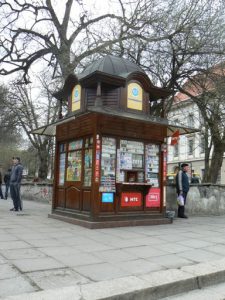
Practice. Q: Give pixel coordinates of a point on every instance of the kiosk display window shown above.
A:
(88, 161)
(108, 165)
(62, 163)
(131, 161)
(74, 161)
(152, 164)
(75, 145)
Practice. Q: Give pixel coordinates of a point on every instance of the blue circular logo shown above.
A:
(135, 92)
(76, 93)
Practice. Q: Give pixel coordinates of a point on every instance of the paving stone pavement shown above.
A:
(215, 292)
(43, 258)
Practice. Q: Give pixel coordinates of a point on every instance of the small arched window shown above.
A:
(76, 97)
(134, 96)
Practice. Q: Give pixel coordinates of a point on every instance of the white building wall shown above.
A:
(181, 112)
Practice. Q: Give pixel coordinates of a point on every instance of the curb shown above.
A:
(155, 285)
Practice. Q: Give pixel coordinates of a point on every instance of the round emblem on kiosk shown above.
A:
(135, 91)
(76, 94)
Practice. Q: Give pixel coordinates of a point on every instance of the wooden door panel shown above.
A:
(86, 200)
(60, 196)
(73, 198)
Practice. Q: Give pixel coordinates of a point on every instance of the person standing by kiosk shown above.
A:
(7, 181)
(182, 186)
(1, 195)
(15, 181)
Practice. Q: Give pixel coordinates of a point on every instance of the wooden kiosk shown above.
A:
(110, 163)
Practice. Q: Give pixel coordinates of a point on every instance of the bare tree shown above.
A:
(65, 42)
(29, 113)
(198, 43)
(170, 39)
(9, 133)
(190, 38)
(10, 136)
(207, 91)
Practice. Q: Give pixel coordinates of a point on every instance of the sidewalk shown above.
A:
(42, 258)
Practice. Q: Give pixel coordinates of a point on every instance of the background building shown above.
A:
(191, 147)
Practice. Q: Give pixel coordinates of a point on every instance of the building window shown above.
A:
(202, 144)
(190, 146)
(191, 120)
(176, 150)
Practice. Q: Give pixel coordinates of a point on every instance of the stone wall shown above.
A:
(202, 199)
(41, 192)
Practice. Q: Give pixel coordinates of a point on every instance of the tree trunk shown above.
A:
(208, 147)
(64, 60)
(216, 162)
(43, 164)
(206, 177)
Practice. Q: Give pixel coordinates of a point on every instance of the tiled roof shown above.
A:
(200, 83)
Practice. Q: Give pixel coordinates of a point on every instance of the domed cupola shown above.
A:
(111, 83)
(111, 65)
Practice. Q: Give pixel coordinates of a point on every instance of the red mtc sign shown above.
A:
(153, 198)
(131, 199)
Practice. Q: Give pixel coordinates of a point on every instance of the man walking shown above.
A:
(15, 181)
(182, 185)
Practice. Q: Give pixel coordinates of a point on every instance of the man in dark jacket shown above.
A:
(15, 181)
(1, 195)
(182, 185)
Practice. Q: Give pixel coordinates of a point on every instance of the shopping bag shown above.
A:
(180, 200)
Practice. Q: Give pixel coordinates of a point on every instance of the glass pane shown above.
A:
(137, 161)
(88, 142)
(131, 147)
(62, 148)
(152, 164)
(62, 164)
(88, 167)
(108, 165)
(141, 177)
(75, 145)
(131, 155)
(74, 166)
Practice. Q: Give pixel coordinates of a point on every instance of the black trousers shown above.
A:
(15, 195)
(1, 195)
(181, 209)
(6, 190)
